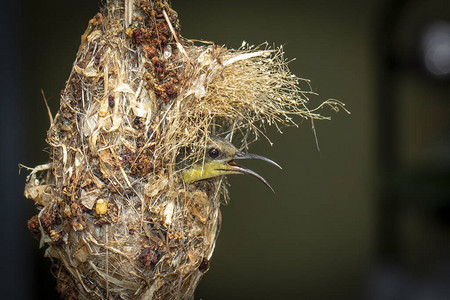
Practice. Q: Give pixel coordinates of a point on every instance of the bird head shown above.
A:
(219, 159)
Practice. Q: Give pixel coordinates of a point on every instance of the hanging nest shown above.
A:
(117, 219)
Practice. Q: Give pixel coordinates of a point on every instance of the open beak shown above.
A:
(234, 167)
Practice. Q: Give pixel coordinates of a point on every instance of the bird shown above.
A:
(129, 204)
(219, 160)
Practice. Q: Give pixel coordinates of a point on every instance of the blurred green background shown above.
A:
(330, 232)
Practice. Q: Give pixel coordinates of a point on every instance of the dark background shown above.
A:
(366, 217)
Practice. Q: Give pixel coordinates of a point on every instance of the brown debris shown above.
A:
(98, 57)
(88, 185)
(76, 87)
(89, 283)
(111, 102)
(33, 226)
(140, 162)
(145, 6)
(65, 285)
(98, 19)
(139, 35)
(149, 257)
(149, 51)
(166, 91)
(158, 64)
(50, 219)
(204, 265)
(153, 38)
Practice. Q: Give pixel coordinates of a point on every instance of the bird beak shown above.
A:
(235, 168)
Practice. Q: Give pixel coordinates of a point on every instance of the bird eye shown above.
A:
(213, 153)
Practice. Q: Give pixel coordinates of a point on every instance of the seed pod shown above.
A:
(101, 207)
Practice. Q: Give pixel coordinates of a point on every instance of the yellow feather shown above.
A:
(208, 170)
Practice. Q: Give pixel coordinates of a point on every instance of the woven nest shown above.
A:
(117, 219)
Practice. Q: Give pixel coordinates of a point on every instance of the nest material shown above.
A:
(117, 219)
